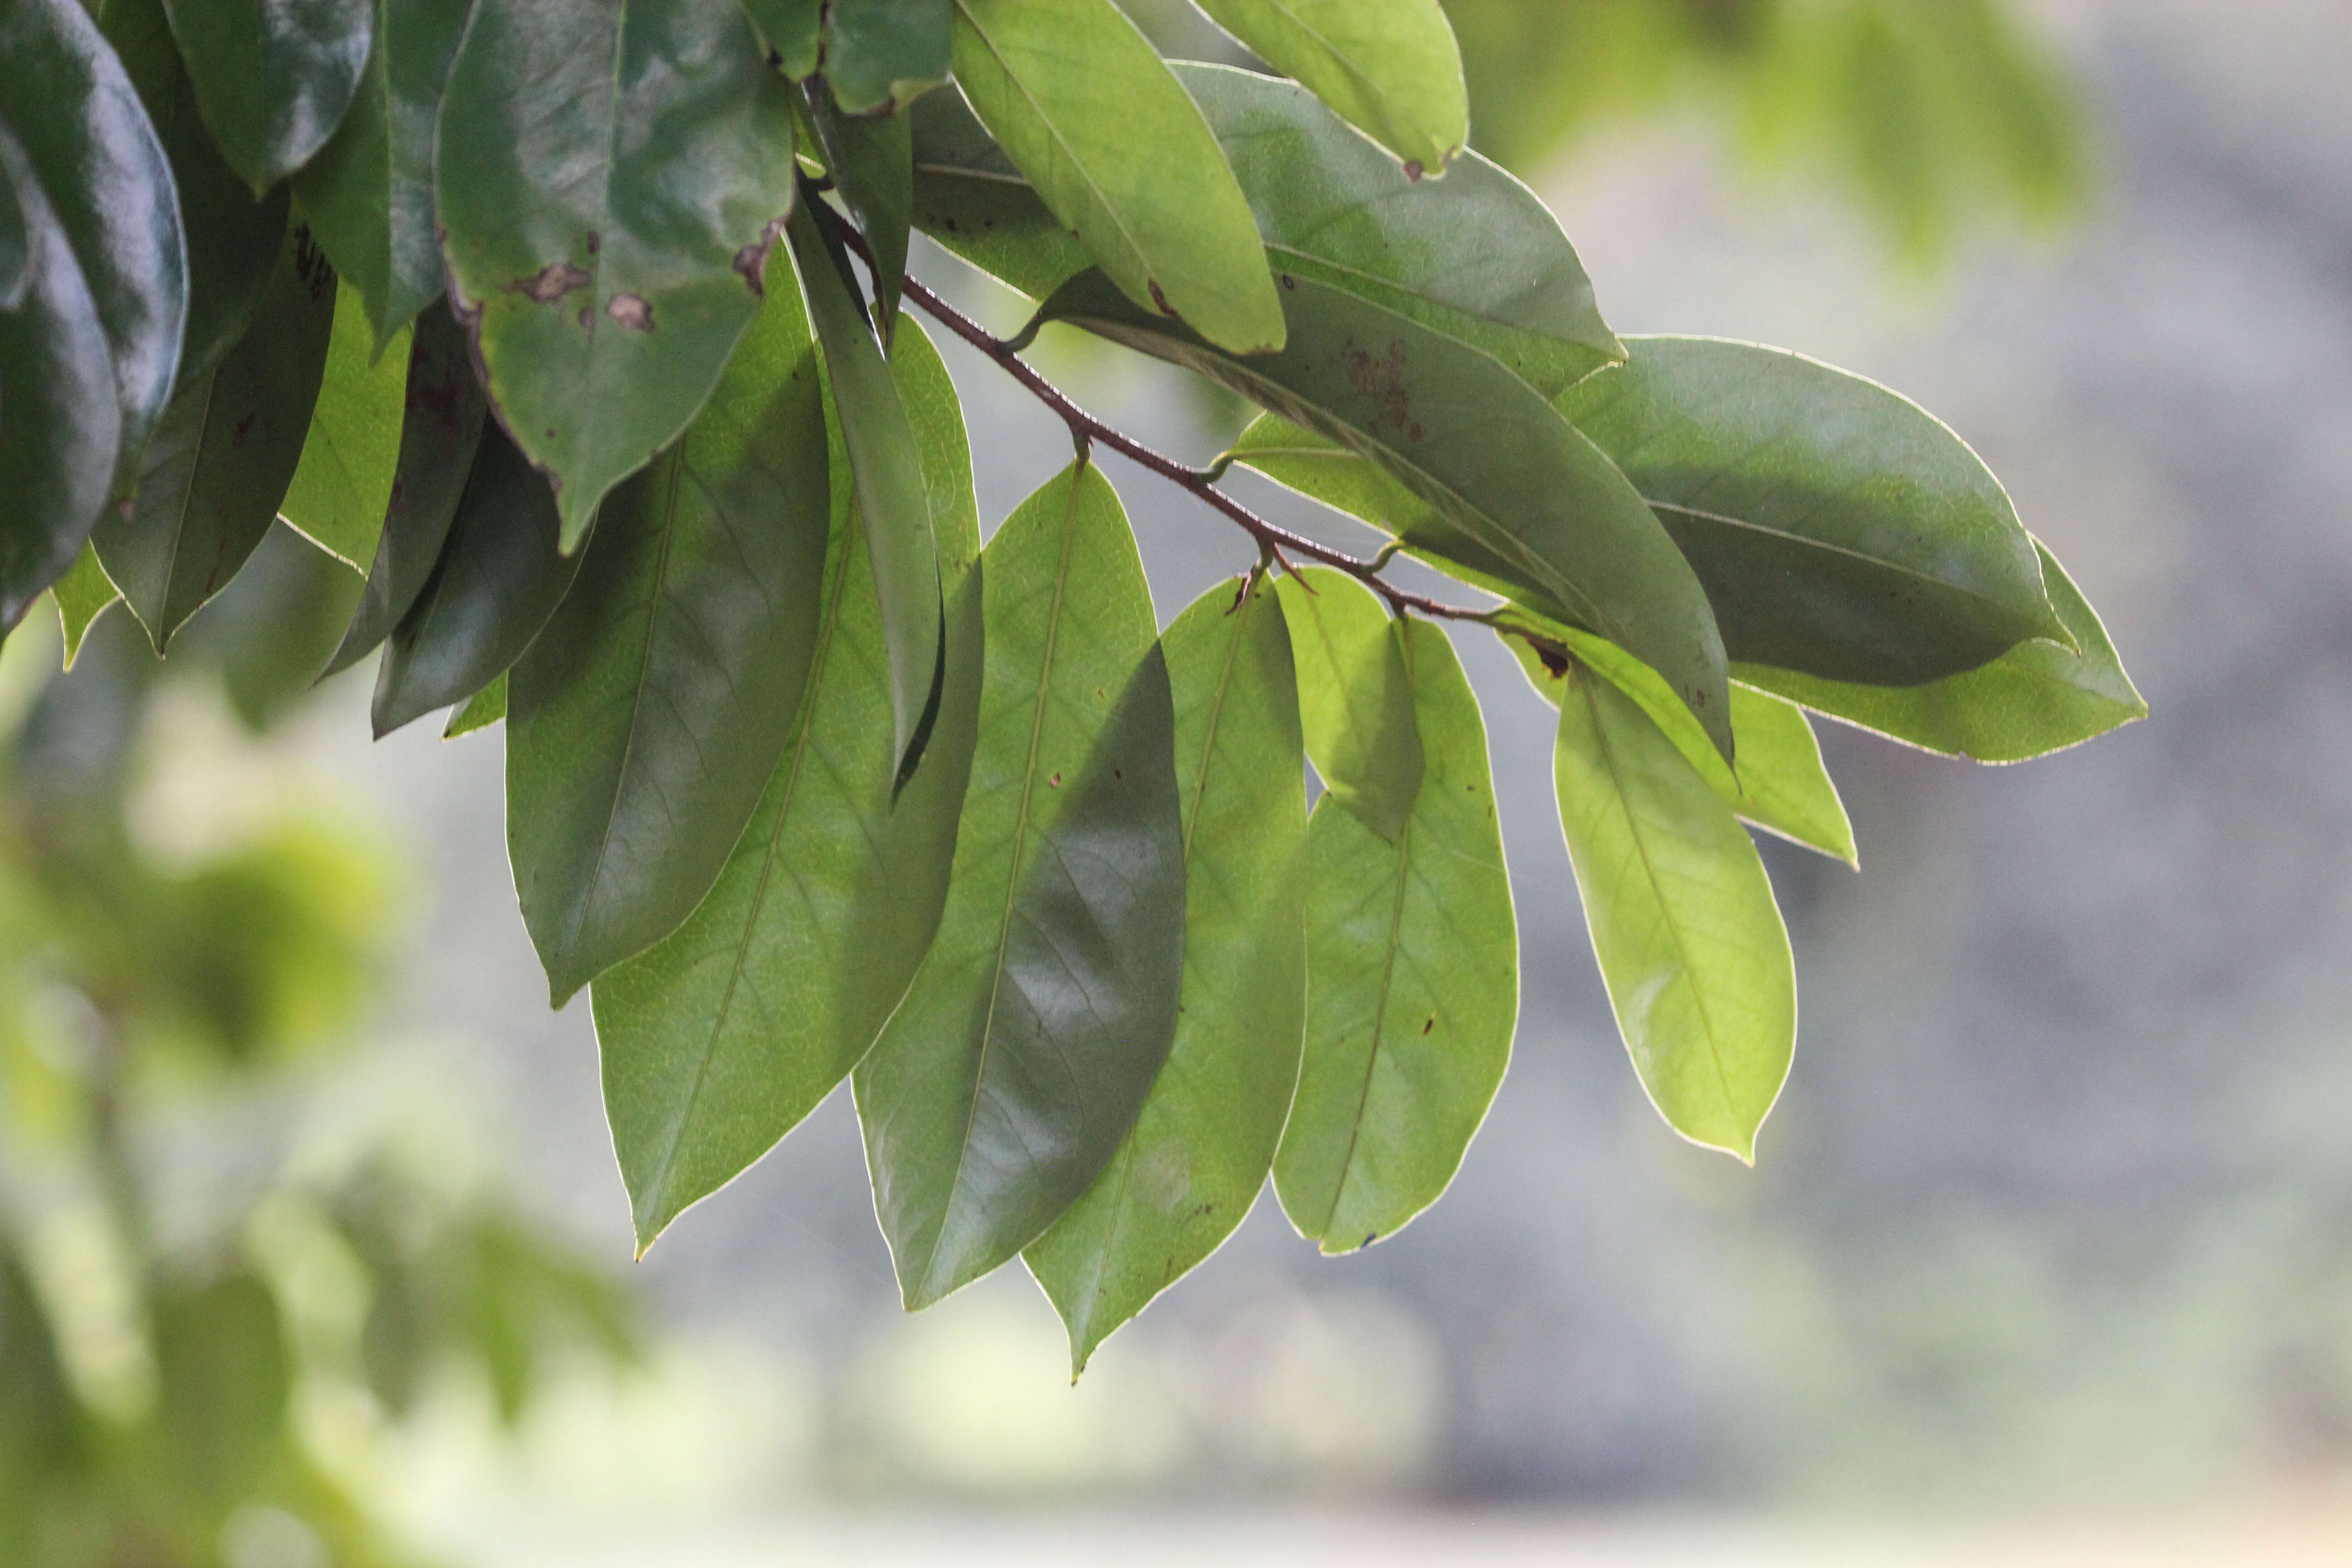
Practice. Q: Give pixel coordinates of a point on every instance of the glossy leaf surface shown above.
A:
(2034, 700)
(873, 165)
(605, 231)
(1086, 109)
(879, 54)
(350, 458)
(1355, 701)
(1389, 67)
(15, 248)
(217, 466)
(794, 30)
(1682, 919)
(82, 594)
(1047, 1003)
(1201, 1147)
(1413, 984)
(273, 77)
(721, 1039)
(647, 715)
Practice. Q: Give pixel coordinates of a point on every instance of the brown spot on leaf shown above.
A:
(1382, 378)
(1413, 170)
(243, 428)
(585, 315)
(949, 225)
(596, 242)
(1288, 281)
(1430, 1024)
(1056, 782)
(550, 282)
(752, 261)
(632, 311)
(1158, 297)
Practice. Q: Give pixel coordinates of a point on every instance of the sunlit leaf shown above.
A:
(343, 484)
(873, 166)
(484, 708)
(82, 594)
(1355, 697)
(1389, 66)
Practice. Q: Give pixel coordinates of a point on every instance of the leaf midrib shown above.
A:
(1827, 547)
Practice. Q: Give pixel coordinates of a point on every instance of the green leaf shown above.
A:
(498, 577)
(273, 77)
(484, 708)
(1201, 1147)
(970, 198)
(1389, 66)
(219, 463)
(440, 428)
(1091, 114)
(108, 184)
(607, 257)
(1413, 984)
(1689, 939)
(2034, 700)
(648, 714)
(369, 193)
(232, 238)
(879, 55)
(82, 594)
(61, 421)
(15, 248)
(891, 502)
(1781, 785)
(1841, 529)
(351, 456)
(224, 1380)
(794, 31)
(1041, 1017)
(720, 1040)
(1355, 697)
(873, 165)
(1478, 445)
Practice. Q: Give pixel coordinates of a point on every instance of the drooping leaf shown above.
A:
(607, 257)
(108, 184)
(1047, 1003)
(1355, 697)
(1504, 471)
(970, 198)
(1841, 529)
(794, 30)
(342, 486)
(273, 77)
(1201, 1147)
(368, 194)
(1682, 919)
(218, 465)
(1085, 107)
(647, 715)
(60, 421)
(1412, 983)
(500, 575)
(441, 411)
(717, 1042)
(2034, 700)
(873, 166)
(879, 55)
(82, 594)
(1391, 67)
(484, 708)
(892, 507)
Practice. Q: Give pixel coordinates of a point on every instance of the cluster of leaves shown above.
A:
(809, 784)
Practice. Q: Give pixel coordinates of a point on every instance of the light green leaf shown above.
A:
(1091, 114)
(608, 256)
(1389, 66)
(273, 77)
(2034, 700)
(486, 707)
(1185, 1177)
(794, 31)
(218, 464)
(1682, 919)
(342, 486)
(1412, 964)
(873, 165)
(880, 54)
(721, 1039)
(1041, 1017)
(1497, 464)
(82, 594)
(1355, 697)
(648, 713)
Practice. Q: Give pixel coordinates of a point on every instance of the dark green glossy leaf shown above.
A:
(607, 257)
(1841, 529)
(499, 576)
(82, 594)
(1689, 939)
(369, 193)
(794, 29)
(648, 714)
(224, 1378)
(718, 1041)
(1185, 1177)
(879, 55)
(342, 486)
(892, 506)
(273, 77)
(103, 171)
(1041, 1017)
(1412, 964)
(1355, 697)
(2034, 700)
(484, 708)
(16, 249)
(1504, 473)
(218, 465)
(1389, 66)
(60, 421)
(1086, 109)
(232, 238)
(873, 166)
